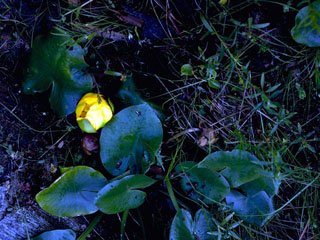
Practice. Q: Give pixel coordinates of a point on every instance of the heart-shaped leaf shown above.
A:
(255, 209)
(238, 167)
(202, 183)
(130, 140)
(307, 27)
(65, 234)
(120, 195)
(184, 228)
(73, 193)
(52, 63)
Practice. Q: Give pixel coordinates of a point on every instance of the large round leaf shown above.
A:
(65, 234)
(255, 209)
(238, 167)
(184, 228)
(120, 195)
(52, 63)
(202, 183)
(73, 193)
(130, 140)
(307, 28)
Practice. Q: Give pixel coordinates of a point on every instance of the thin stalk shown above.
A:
(92, 225)
(123, 223)
(171, 194)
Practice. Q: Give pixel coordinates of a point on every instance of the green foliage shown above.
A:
(120, 195)
(186, 69)
(202, 183)
(65, 234)
(237, 166)
(73, 193)
(244, 172)
(184, 228)
(131, 140)
(255, 209)
(307, 28)
(52, 63)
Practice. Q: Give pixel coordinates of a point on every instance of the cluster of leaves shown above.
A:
(133, 137)
(130, 141)
(237, 176)
(125, 143)
(54, 62)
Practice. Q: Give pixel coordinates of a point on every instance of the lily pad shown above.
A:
(120, 195)
(184, 228)
(202, 183)
(61, 234)
(53, 64)
(73, 193)
(131, 140)
(307, 28)
(255, 209)
(238, 167)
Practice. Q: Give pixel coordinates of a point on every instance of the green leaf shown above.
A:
(267, 183)
(301, 92)
(255, 209)
(131, 140)
(120, 195)
(65, 234)
(307, 28)
(212, 78)
(186, 69)
(202, 224)
(214, 83)
(73, 193)
(52, 63)
(181, 227)
(238, 167)
(184, 228)
(202, 183)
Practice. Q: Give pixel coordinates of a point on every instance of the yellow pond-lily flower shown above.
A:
(92, 112)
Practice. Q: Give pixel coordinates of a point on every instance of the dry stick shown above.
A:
(304, 230)
(75, 9)
(190, 130)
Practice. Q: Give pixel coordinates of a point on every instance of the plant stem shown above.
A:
(142, 225)
(171, 194)
(92, 225)
(123, 223)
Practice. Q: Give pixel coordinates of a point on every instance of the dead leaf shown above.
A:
(131, 20)
(53, 168)
(207, 137)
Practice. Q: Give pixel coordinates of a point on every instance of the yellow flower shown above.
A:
(92, 112)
